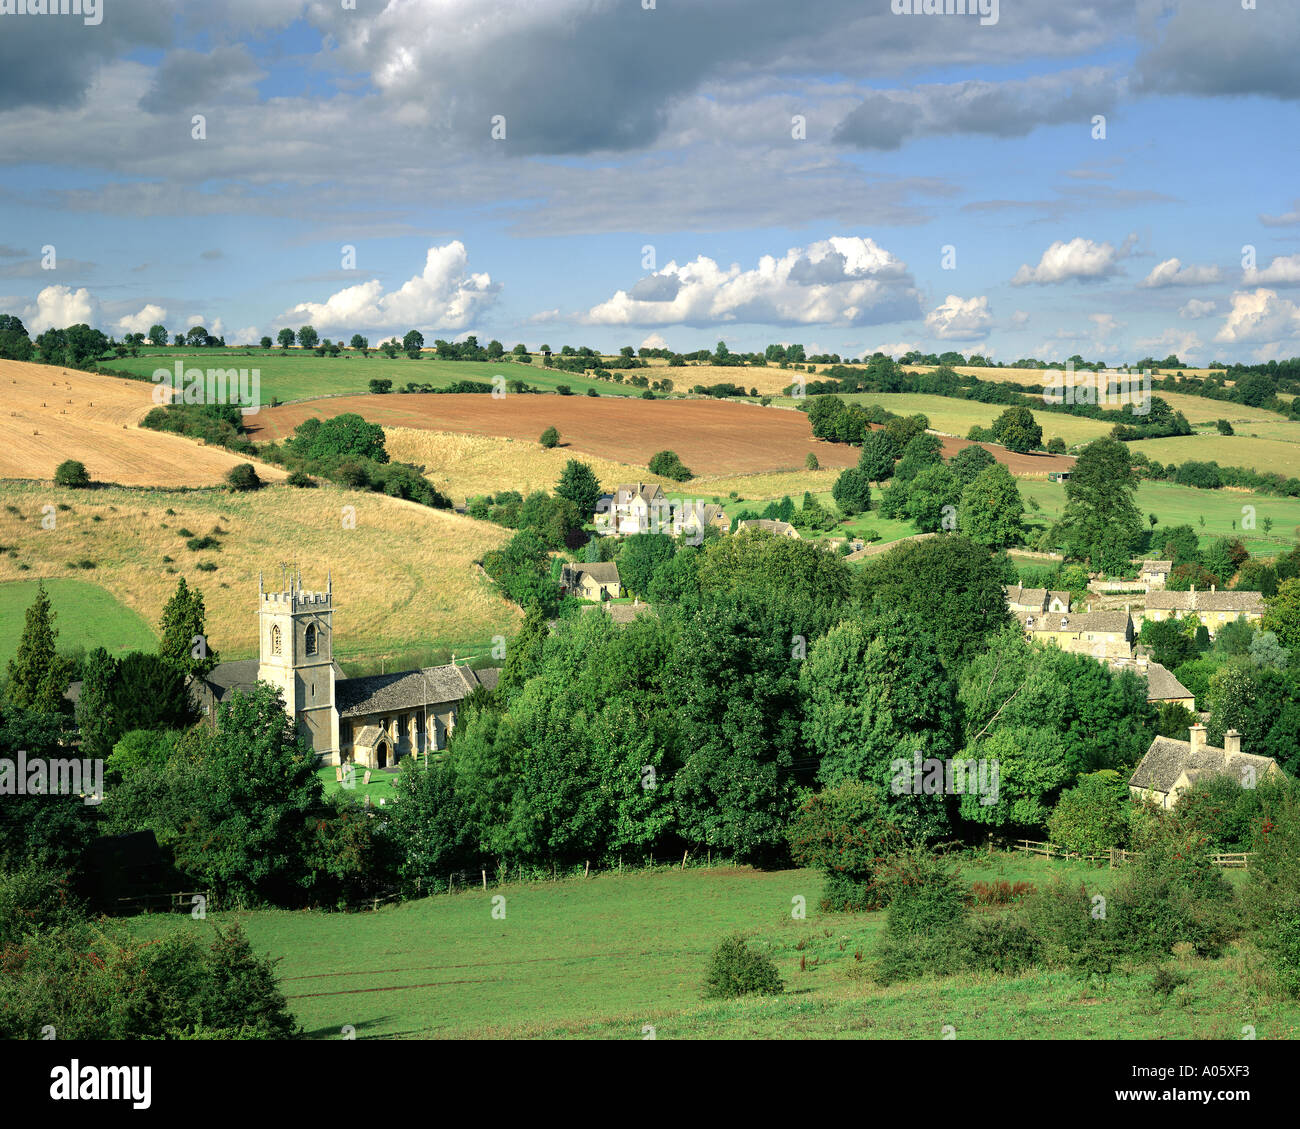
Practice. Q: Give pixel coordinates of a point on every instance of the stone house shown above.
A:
(595, 581)
(1170, 767)
(1103, 635)
(768, 525)
(1021, 599)
(1212, 608)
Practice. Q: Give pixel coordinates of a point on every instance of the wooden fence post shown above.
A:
(586, 870)
(484, 873)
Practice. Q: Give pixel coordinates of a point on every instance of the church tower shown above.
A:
(296, 652)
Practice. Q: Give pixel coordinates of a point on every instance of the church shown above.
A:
(372, 721)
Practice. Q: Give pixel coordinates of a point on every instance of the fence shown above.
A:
(180, 902)
(1117, 856)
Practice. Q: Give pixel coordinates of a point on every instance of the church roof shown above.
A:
(404, 689)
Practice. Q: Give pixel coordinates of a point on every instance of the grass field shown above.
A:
(85, 615)
(298, 375)
(1185, 505)
(1274, 455)
(404, 575)
(610, 956)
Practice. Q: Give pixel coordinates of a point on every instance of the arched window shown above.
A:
(275, 638)
(311, 638)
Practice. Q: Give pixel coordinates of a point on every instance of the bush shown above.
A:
(811, 461)
(1093, 815)
(72, 473)
(298, 478)
(380, 387)
(1000, 943)
(197, 544)
(243, 477)
(550, 437)
(668, 465)
(736, 970)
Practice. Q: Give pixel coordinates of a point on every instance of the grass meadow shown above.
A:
(404, 575)
(615, 954)
(86, 615)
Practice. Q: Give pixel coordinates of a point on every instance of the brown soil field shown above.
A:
(51, 414)
(712, 437)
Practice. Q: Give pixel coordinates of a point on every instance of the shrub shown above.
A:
(1000, 943)
(1092, 816)
(197, 544)
(298, 478)
(380, 387)
(737, 970)
(999, 893)
(72, 473)
(811, 461)
(1272, 891)
(243, 477)
(206, 566)
(550, 437)
(668, 465)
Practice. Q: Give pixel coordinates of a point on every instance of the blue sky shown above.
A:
(672, 129)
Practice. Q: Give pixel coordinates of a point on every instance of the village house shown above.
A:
(595, 581)
(371, 721)
(1021, 599)
(634, 507)
(691, 519)
(768, 525)
(620, 614)
(1103, 635)
(1170, 767)
(1154, 574)
(1212, 608)
(1162, 686)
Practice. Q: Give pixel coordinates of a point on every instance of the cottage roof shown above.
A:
(1162, 686)
(1107, 621)
(1157, 566)
(602, 572)
(1167, 759)
(768, 525)
(1213, 601)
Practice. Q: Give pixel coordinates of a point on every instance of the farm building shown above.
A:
(1170, 767)
(371, 721)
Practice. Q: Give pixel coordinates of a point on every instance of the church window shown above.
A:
(275, 639)
(311, 638)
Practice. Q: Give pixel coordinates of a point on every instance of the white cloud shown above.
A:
(249, 335)
(150, 315)
(1172, 273)
(1259, 316)
(654, 341)
(843, 280)
(1282, 271)
(1020, 318)
(894, 348)
(1195, 308)
(445, 295)
(214, 327)
(1079, 258)
(58, 307)
(960, 319)
(1181, 344)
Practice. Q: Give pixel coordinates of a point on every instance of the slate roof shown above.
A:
(1029, 597)
(646, 491)
(1167, 759)
(781, 528)
(1162, 686)
(1157, 566)
(1075, 621)
(1165, 600)
(405, 689)
(602, 572)
(621, 614)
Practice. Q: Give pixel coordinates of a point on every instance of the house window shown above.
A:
(311, 638)
(275, 639)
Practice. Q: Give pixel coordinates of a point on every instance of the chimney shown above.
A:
(1197, 733)
(1232, 742)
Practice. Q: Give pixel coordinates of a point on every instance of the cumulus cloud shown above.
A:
(150, 315)
(1172, 273)
(1285, 219)
(960, 319)
(215, 327)
(445, 295)
(1181, 344)
(1020, 318)
(1195, 308)
(58, 307)
(1282, 271)
(1259, 316)
(654, 341)
(843, 280)
(1079, 258)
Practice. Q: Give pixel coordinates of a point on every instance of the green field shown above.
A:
(86, 616)
(611, 955)
(297, 375)
(1271, 455)
(1185, 505)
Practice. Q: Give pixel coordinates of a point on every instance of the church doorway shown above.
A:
(383, 754)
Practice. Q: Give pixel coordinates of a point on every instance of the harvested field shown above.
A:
(714, 438)
(404, 575)
(52, 414)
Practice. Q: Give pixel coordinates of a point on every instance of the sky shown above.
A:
(1114, 178)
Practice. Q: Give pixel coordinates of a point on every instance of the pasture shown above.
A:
(86, 615)
(53, 414)
(610, 955)
(1276, 455)
(404, 575)
(299, 375)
